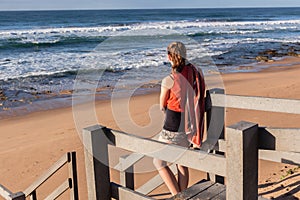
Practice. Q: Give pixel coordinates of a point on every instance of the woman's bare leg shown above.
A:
(169, 179)
(167, 175)
(183, 177)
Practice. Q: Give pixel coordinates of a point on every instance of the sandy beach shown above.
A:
(31, 143)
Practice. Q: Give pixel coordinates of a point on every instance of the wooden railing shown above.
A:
(97, 139)
(274, 144)
(70, 183)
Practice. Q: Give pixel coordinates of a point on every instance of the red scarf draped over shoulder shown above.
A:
(195, 107)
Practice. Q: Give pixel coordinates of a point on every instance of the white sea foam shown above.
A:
(183, 27)
(120, 57)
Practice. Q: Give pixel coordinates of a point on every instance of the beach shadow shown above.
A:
(274, 183)
(161, 196)
(281, 188)
(288, 195)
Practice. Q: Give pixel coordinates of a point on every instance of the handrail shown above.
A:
(70, 183)
(209, 162)
(290, 106)
(59, 191)
(273, 148)
(59, 164)
(4, 192)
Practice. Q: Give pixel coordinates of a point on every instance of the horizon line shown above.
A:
(107, 9)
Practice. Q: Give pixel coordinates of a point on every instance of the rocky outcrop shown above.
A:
(285, 50)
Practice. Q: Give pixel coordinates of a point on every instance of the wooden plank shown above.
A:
(280, 139)
(171, 153)
(242, 161)
(221, 196)
(4, 192)
(280, 156)
(73, 176)
(275, 156)
(271, 155)
(209, 144)
(193, 190)
(127, 176)
(59, 191)
(96, 162)
(32, 195)
(210, 192)
(130, 160)
(54, 168)
(215, 130)
(17, 196)
(261, 198)
(122, 193)
(257, 103)
(155, 182)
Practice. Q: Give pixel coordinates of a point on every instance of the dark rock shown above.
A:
(270, 52)
(293, 54)
(262, 58)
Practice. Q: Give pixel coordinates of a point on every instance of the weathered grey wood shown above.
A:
(130, 160)
(221, 196)
(54, 168)
(257, 103)
(261, 198)
(127, 176)
(171, 153)
(219, 146)
(59, 191)
(73, 176)
(4, 192)
(193, 190)
(242, 161)
(210, 192)
(32, 195)
(280, 156)
(97, 171)
(279, 139)
(155, 182)
(215, 130)
(271, 155)
(122, 193)
(17, 196)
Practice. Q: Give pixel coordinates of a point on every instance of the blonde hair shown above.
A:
(177, 52)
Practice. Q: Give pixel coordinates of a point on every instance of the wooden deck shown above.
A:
(204, 189)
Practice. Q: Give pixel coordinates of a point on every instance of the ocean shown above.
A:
(41, 52)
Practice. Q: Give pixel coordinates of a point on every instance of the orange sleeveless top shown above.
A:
(178, 93)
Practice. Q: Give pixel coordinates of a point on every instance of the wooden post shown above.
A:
(215, 129)
(96, 162)
(18, 196)
(73, 175)
(242, 161)
(33, 195)
(127, 176)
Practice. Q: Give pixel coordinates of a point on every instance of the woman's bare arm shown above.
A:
(166, 85)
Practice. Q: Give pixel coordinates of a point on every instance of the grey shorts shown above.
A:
(178, 138)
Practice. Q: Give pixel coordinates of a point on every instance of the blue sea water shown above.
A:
(42, 51)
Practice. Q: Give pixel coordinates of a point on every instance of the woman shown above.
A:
(177, 101)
